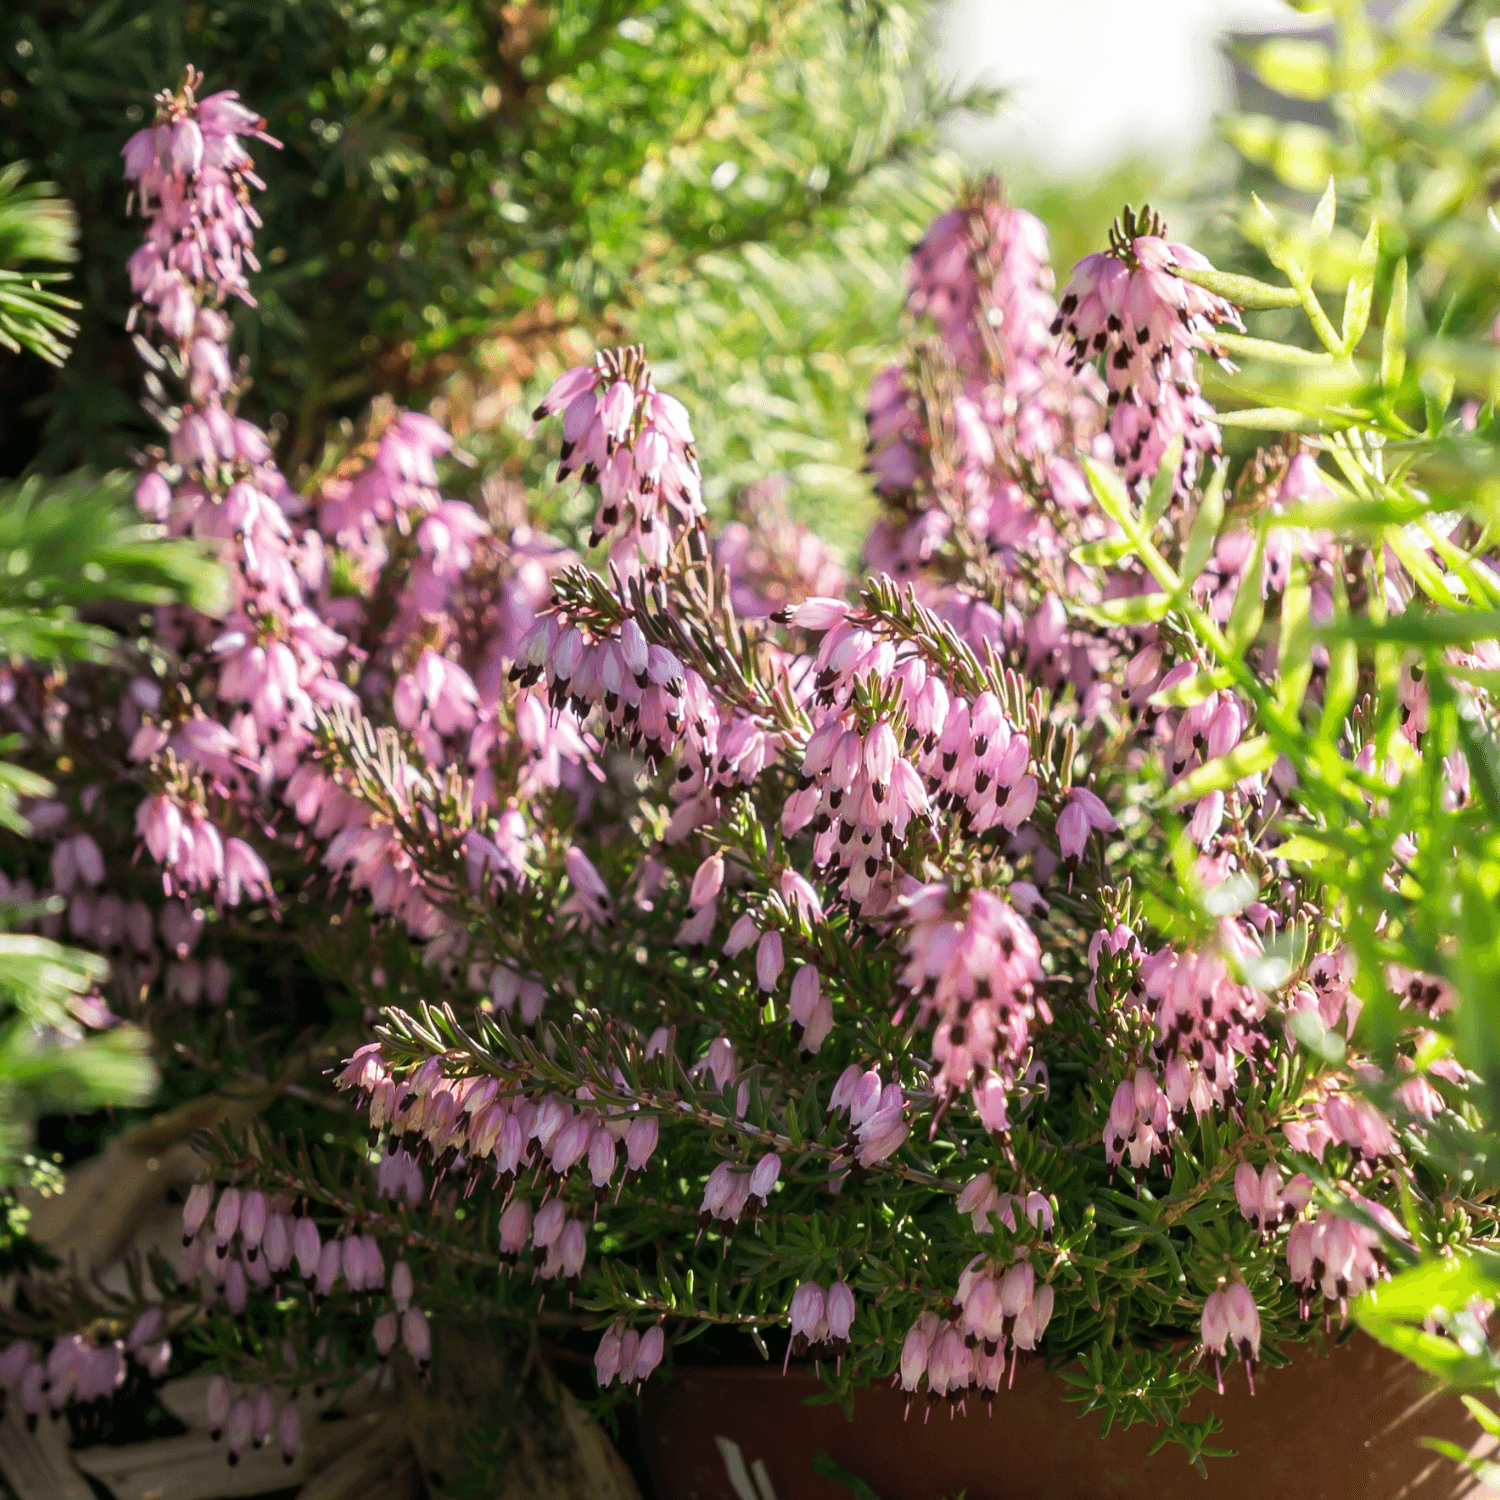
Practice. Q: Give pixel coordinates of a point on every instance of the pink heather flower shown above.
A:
(607, 1356)
(839, 1311)
(289, 1432)
(416, 1336)
(1304, 481)
(763, 1179)
(590, 899)
(245, 873)
(1072, 830)
(1214, 1325)
(1247, 1192)
(1243, 1321)
(916, 1349)
(159, 822)
(741, 935)
(200, 1200)
(708, 881)
(806, 1314)
(401, 1285)
(768, 961)
(973, 971)
(798, 893)
(1145, 325)
(805, 993)
(884, 1129)
(817, 614)
(649, 1352)
(307, 1247)
(640, 1142)
(515, 1228)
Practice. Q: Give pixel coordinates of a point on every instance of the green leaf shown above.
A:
(1249, 607)
(1243, 291)
(1425, 573)
(1192, 689)
(1275, 419)
(1360, 291)
(1415, 629)
(1300, 849)
(1103, 554)
(1271, 353)
(1134, 609)
(1246, 759)
(1294, 658)
(1205, 530)
(1483, 756)
(1393, 337)
(1320, 1040)
(1484, 1415)
(1325, 213)
(1346, 514)
(1343, 670)
(1109, 490)
(1295, 66)
(827, 1468)
(1161, 485)
(1448, 1282)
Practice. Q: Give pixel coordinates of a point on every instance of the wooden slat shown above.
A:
(37, 1465)
(194, 1467)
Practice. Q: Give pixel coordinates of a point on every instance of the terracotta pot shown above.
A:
(1344, 1427)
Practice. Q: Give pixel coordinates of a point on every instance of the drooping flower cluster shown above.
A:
(249, 1418)
(820, 1321)
(973, 969)
(80, 1367)
(1126, 310)
(1231, 1324)
(995, 1314)
(974, 447)
(636, 444)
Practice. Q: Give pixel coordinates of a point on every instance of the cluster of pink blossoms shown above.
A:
(234, 1240)
(975, 447)
(820, 1319)
(243, 718)
(462, 1124)
(248, 1418)
(981, 277)
(973, 969)
(1125, 308)
(997, 1315)
(636, 444)
(80, 1367)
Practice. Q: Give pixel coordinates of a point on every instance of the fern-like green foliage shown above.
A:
(35, 225)
(71, 552)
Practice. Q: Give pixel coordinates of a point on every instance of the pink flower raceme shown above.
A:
(1337, 1258)
(192, 175)
(1083, 813)
(640, 690)
(636, 444)
(1231, 1323)
(969, 1351)
(1125, 308)
(877, 1114)
(973, 966)
(1014, 411)
(628, 1356)
(820, 1321)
